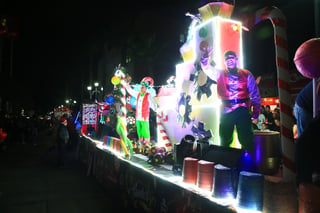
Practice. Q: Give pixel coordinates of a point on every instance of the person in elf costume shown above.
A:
(145, 101)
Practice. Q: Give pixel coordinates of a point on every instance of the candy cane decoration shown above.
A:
(281, 46)
(123, 98)
(163, 139)
(122, 119)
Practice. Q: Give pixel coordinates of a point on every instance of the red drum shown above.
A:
(190, 170)
(205, 175)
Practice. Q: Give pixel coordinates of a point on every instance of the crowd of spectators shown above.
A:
(19, 129)
(269, 120)
(23, 130)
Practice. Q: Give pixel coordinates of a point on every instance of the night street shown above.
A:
(30, 182)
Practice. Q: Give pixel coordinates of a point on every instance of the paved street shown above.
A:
(31, 182)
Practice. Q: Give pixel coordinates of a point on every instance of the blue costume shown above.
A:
(303, 107)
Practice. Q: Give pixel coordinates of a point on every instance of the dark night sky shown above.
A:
(53, 52)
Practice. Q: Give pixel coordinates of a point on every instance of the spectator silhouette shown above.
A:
(62, 141)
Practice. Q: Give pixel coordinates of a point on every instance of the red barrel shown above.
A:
(205, 175)
(190, 170)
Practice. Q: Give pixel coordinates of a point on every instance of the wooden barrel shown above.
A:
(267, 151)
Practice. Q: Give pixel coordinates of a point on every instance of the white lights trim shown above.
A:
(174, 179)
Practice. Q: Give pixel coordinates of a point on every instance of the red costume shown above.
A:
(238, 89)
(142, 108)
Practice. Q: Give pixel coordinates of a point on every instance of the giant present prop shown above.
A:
(212, 9)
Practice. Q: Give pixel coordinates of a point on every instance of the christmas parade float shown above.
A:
(184, 169)
(61, 111)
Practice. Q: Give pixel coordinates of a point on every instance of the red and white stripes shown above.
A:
(123, 108)
(281, 47)
(163, 139)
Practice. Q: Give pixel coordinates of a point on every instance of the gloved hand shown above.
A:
(205, 55)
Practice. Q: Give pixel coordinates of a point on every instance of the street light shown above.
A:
(102, 94)
(70, 102)
(89, 88)
(96, 84)
(95, 91)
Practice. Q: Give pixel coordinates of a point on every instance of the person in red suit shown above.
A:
(239, 92)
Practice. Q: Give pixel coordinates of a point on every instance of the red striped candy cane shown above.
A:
(163, 139)
(123, 108)
(123, 98)
(281, 46)
(122, 118)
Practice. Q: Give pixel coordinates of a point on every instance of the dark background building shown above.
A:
(50, 53)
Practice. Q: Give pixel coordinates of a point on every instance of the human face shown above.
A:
(231, 61)
(264, 126)
(143, 89)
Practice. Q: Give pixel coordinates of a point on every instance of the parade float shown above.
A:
(174, 175)
(61, 111)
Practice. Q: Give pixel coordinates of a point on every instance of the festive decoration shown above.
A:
(131, 120)
(158, 155)
(148, 80)
(281, 46)
(61, 111)
(103, 119)
(184, 110)
(123, 109)
(224, 180)
(89, 114)
(307, 57)
(110, 99)
(200, 132)
(112, 142)
(215, 9)
(103, 109)
(171, 81)
(163, 138)
(121, 127)
(186, 50)
(115, 80)
(128, 105)
(202, 85)
(133, 102)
